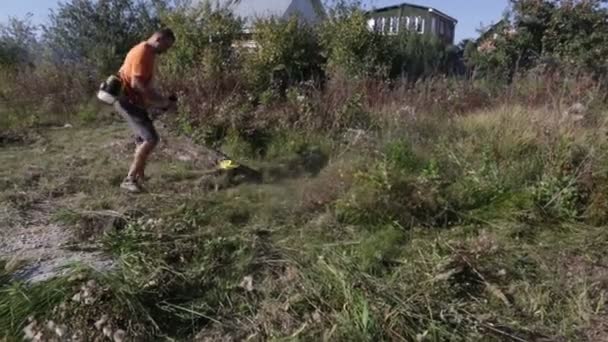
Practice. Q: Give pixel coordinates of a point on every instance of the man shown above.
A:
(136, 76)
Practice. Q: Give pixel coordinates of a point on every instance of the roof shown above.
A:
(426, 8)
(492, 29)
(257, 8)
(250, 10)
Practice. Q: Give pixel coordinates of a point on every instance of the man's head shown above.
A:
(162, 40)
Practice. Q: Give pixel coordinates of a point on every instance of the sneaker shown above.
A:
(130, 185)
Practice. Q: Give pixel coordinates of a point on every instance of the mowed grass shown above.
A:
(485, 227)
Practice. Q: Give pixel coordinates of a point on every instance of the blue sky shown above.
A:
(471, 14)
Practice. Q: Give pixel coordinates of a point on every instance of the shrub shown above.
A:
(557, 198)
(100, 33)
(381, 247)
(17, 42)
(351, 48)
(385, 193)
(286, 52)
(45, 94)
(570, 34)
(206, 34)
(418, 56)
(578, 36)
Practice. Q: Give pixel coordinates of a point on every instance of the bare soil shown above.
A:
(61, 171)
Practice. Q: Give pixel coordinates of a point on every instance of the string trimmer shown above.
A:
(232, 172)
(226, 171)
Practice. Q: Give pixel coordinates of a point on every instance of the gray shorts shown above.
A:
(138, 120)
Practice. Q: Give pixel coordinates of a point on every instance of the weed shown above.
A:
(558, 197)
(381, 248)
(466, 228)
(18, 302)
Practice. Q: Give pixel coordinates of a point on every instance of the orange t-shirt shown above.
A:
(138, 63)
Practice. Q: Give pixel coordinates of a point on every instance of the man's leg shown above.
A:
(142, 152)
(142, 126)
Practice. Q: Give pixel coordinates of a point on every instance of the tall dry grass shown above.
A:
(44, 94)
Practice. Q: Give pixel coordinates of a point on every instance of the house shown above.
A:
(416, 18)
(503, 29)
(311, 11)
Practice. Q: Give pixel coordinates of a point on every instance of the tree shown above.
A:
(17, 42)
(287, 52)
(351, 48)
(577, 35)
(206, 34)
(99, 33)
(571, 33)
(417, 56)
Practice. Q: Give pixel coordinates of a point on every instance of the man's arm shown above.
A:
(149, 94)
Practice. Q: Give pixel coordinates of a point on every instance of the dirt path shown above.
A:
(38, 249)
(76, 169)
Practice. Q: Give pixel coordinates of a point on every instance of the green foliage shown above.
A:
(557, 197)
(401, 156)
(17, 42)
(352, 114)
(236, 145)
(570, 34)
(417, 56)
(88, 113)
(577, 35)
(387, 194)
(286, 52)
(477, 183)
(18, 302)
(256, 259)
(351, 48)
(493, 58)
(290, 143)
(100, 33)
(383, 246)
(206, 34)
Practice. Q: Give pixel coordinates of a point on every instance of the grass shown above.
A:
(484, 229)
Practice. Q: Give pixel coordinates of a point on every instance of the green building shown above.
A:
(416, 18)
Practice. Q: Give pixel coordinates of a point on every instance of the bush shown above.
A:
(570, 34)
(387, 193)
(383, 246)
(351, 48)
(286, 52)
(205, 38)
(17, 43)
(45, 94)
(417, 56)
(578, 36)
(100, 33)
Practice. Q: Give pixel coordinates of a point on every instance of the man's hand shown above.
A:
(150, 95)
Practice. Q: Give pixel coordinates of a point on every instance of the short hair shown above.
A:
(166, 33)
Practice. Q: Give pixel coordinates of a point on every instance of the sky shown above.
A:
(471, 14)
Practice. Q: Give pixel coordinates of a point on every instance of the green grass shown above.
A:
(458, 238)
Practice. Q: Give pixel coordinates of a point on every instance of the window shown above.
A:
(419, 24)
(371, 24)
(408, 23)
(441, 27)
(434, 25)
(394, 25)
(383, 25)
